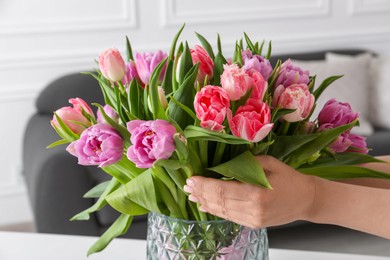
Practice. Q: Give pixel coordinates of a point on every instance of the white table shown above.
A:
(32, 246)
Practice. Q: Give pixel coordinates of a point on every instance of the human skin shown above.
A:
(296, 196)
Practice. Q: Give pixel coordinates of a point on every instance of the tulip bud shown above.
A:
(111, 64)
(163, 99)
(73, 116)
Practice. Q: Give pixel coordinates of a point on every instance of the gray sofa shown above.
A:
(56, 182)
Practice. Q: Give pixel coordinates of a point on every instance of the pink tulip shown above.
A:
(291, 74)
(211, 104)
(111, 64)
(99, 145)
(341, 144)
(296, 97)
(358, 145)
(260, 85)
(131, 73)
(73, 117)
(152, 141)
(258, 63)
(206, 64)
(235, 81)
(336, 113)
(147, 62)
(110, 112)
(252, 121)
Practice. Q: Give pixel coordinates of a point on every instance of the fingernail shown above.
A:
(203, 209)
(192, 198)
(190, 182)
(187, 188)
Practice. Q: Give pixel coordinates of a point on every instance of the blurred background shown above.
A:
(42, 40)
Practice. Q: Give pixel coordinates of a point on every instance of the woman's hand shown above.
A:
(290, 199)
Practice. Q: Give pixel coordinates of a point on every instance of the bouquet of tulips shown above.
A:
(194, 111)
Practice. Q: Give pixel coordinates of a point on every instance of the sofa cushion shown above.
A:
(356, 76)
(380, 94)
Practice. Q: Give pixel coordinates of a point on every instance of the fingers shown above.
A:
(231, 200)
(214, 189)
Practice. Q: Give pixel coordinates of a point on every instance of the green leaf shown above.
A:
(244, 168)
(279, 112)
(100, 203)
(206, 45)
(185, 94)
(129, 50)
(261, 148)
(155, 103)
(274, 76)
(166, 189)
(107, 89)
(181, 147)
(134, 99)
(237, 55)
(261, 48)
(124, 170)
(201, 134)
(219, 45)
(302, 154)
(168, 77)
(249, 43)
(56, 143)
(317, 93)
(340, 159)
(338, 172)
(97, 191)
(119, 105)
(140, 191)
(118, 228)
(178, 176)
(286, 144)
(185, 108)
(185, 63)
(174, 42)
(269, 50)
(64, 131)
(218, 68)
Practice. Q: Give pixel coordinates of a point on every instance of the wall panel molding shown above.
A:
(173, 15)
(48, 60)
(359, 7)
(13, 185)
(17, 94)
(86, 59)
(128, 19)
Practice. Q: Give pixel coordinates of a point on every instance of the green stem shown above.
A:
(161, 174)
(284, 128)
(182, 201)
(219, 151)
(169, 201)
(194, 210)
(203, 153)
(202, 215)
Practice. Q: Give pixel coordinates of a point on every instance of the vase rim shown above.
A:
(192, 221)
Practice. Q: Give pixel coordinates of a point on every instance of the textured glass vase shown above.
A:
(170, 238)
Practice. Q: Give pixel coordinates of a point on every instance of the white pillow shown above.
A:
(380, 92)
(351, 88)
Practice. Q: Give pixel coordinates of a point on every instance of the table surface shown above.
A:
(33, 246)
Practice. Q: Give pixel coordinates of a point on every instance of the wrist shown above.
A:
(313, 204)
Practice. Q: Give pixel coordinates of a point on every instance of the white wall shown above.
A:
(41, 40)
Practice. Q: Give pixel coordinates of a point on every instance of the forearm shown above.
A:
(374, 182)
(356, 207)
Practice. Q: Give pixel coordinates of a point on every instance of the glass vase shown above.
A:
(171, 238)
